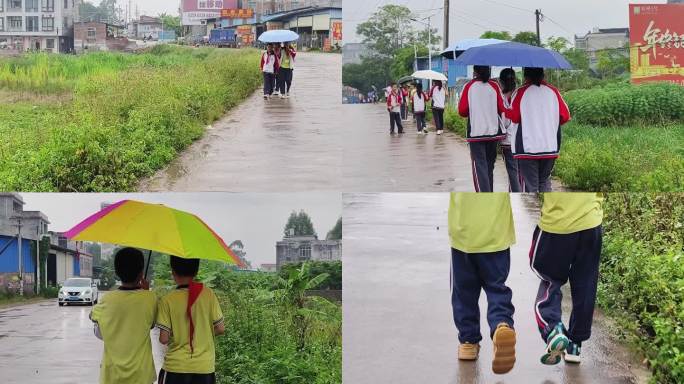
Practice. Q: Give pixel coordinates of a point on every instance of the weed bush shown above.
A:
(642, 276)
(129, 115)
(627, 104)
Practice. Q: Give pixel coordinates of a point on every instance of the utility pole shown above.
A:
(538, 16)
(21, 264)
(429, 44)
(446, 24)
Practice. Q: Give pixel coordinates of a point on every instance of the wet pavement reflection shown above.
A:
(278, 145)
(376, 161)
(398, 325)
(45, 343)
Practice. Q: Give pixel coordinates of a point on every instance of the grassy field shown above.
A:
(101, 121)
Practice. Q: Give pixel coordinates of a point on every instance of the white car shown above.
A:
(78, 290)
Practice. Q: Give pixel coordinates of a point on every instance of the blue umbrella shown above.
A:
(512, 54)
(461, 46)
(278, 36)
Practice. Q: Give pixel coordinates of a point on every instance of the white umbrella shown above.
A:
(429, 75)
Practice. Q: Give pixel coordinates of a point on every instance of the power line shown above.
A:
(509, 6)
(555, 22)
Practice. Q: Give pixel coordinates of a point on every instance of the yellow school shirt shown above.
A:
(565, 212)
(172, 317)
(481, 222)
(125, 318)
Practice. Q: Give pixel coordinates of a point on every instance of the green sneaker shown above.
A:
(556, 343)
(572, 353)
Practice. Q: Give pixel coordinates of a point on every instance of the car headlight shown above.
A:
(87, 292)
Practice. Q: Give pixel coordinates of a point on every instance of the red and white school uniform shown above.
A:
(482, 103)
(269, 62)
(539, 112)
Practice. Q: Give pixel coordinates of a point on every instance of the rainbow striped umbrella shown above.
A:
(154, 227)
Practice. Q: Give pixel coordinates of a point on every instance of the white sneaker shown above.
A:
(265, 97)
(287, 95)
(439, 132)
(282, 96)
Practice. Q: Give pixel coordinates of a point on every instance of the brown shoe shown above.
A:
(467, 351)
(504, 349)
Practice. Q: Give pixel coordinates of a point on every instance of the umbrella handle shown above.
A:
(147, 267)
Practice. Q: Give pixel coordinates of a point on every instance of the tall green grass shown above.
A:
(129, 114)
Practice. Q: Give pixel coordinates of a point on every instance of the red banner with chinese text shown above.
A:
(656, 42)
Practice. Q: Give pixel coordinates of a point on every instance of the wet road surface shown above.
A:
(376, 161)
(279, 145)
(45, 343)
(398, 325)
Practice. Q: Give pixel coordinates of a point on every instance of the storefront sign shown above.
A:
(242, 13)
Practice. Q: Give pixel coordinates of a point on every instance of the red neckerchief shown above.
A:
(194, 290)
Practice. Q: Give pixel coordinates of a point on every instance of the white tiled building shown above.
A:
(44, 25)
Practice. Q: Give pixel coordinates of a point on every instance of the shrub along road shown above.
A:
(270, 146)
(398, 323)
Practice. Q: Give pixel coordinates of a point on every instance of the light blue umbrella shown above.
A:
(278, 36)
(461, 46)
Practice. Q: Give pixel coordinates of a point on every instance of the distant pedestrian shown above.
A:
(481, 102)
(481, 232)
(566, 246)
(287, 62)
(418, 102)
(508, 83)
(539, 111)
(438, 94)
(394, 100)
(269, 67)
(404, 102)
(123, 320)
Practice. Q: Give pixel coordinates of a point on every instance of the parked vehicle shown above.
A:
(222, 38)
(78, 290)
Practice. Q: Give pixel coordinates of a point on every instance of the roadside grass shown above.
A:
(127, 115)
(641, 281)
(613, 159)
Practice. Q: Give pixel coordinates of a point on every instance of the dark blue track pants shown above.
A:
(556, 259)
(470, 273)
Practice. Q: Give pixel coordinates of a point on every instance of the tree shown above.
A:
(526, 38)
(611, 63)
(336, 232)
(502, 35)
(402, 64)
(559, 44)
(107, 11)
(391, 28)
(171, 23)
(578, 58)
(372, 71)
(299, 224)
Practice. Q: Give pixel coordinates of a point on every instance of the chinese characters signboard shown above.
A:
(196, 12)
(244, 13)
(656, 42)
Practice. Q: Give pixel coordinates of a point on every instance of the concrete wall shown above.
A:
(300, 249)
(81, 40)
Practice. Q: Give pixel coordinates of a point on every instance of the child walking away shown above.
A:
(418, 102)
(286, 60)
(438, 96)
(566, 246)
(404, 102)
(269, 67)
(188, 319)
(481, 232)
(394, 99)
(481, 102)
(508, 85)
(539, 110)
(123, 320)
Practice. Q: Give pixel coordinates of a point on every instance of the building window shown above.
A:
(32, 5)
(48, 24)
(92, 33)
(14, 4)
(66, 4)
(305, 252)
(15, 23)
(2, 23)
(2, 6)
(32, 24)
(48, 6)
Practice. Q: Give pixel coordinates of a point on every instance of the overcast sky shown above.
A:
(256, 219)
(472, 17)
